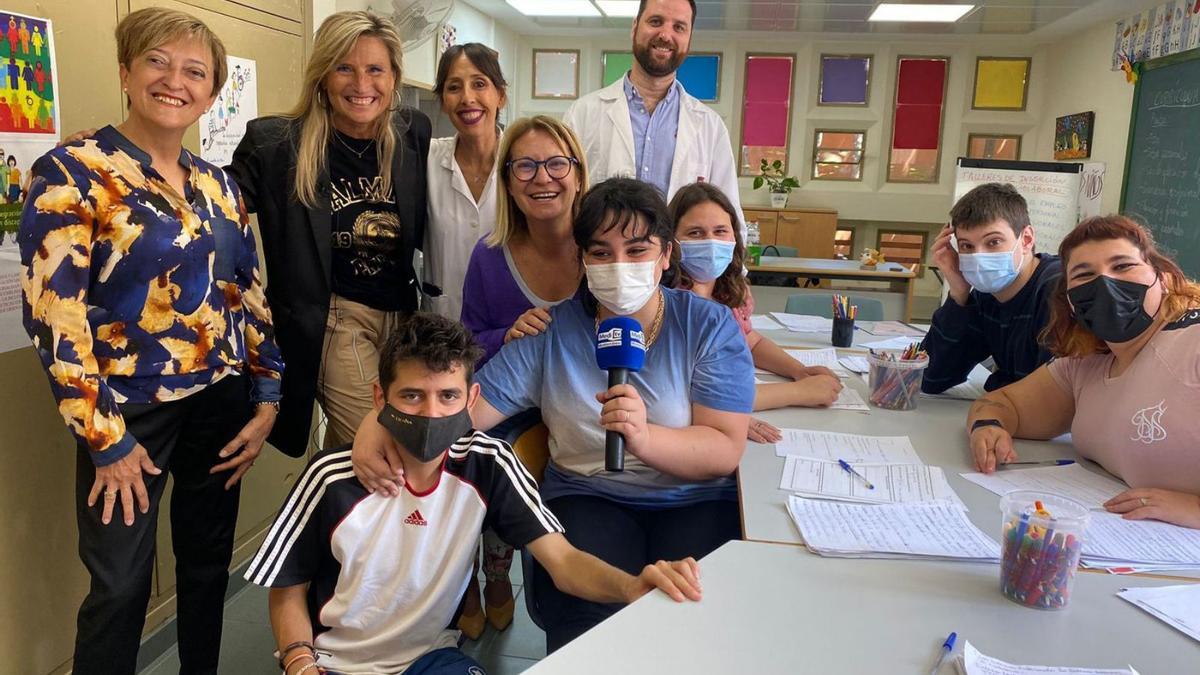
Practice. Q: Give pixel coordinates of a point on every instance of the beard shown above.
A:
(657, 68)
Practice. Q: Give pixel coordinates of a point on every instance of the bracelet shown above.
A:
(299, 643)
(297, 657)
(273, 404)
(307, 668)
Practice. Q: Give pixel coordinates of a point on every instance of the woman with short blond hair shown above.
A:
(142, 296)
(339, 185)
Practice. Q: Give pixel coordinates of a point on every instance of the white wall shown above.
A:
(1080, 79)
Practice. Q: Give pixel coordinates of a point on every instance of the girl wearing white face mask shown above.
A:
(1126, 330)
(684, 415)
(711, 258)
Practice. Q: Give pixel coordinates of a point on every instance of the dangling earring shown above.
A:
(321, 98)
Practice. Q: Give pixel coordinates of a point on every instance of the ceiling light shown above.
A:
(890, 11)
(619, 8)
(554, 7)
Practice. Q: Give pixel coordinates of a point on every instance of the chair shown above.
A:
(533, 449)
(819, 304)
(781, 251)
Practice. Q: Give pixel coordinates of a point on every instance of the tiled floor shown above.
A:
(247, 643)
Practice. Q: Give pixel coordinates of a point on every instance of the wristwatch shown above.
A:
(990, 422)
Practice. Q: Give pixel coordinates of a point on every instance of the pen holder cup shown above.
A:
(1040, 551)
(895, 384)
(843, 332)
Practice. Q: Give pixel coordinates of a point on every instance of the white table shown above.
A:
(777, 609)
(937, 429)
(790, 339)
(900, 278)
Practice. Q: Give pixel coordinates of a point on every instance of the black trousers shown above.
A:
(183, 438)
(628, 539)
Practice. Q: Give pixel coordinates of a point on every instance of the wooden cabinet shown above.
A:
(810, 231)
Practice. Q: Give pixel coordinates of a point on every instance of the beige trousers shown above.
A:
(354, 336)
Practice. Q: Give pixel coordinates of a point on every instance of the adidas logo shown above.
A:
(415, 518)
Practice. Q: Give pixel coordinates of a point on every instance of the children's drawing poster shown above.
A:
(29, 128)
(224, 124)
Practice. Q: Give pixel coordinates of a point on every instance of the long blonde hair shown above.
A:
(334, 39)
(509, 219)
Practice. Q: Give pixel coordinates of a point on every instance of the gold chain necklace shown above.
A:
(655, 327)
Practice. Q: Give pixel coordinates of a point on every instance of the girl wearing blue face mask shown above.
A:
(710, 265)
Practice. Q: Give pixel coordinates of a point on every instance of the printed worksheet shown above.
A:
(1072, 481)
(819, 357)
(832, 446)
(763, 322)
(1177, 606)
(802, 323)
(1112, 538)
(891, 482)
(974, 662)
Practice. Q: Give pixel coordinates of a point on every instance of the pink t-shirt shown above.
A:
(1143, 426)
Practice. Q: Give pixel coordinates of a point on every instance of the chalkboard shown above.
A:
(1162, 165)
(1050, 189)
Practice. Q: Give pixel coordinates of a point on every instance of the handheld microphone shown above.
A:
(620, 349)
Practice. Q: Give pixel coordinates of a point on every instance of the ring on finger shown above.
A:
(110, 494)
(1143, 501)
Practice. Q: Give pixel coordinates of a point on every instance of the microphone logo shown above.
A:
(638, 338)
(611, 337)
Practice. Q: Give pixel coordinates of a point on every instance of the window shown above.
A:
(994, 146)
(845, 80)
(906, 247)
(917, 120)
(766, 111)
(843, 244)
(838, 155)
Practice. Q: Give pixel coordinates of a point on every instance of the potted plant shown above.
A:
(778, 184)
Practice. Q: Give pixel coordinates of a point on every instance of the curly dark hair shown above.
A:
(437, 342)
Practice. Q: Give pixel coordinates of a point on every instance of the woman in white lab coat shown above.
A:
(461, 171)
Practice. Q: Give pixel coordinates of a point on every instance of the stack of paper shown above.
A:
(892, 483)
(888, 328)
(854, 448)
(927, 530)
(972, 662)
(802, 323)
(1072, 481)
(763, 322)
(1178, 606)
(819, 357)
(971, 389)
(855, 364)
(850, 399)
(1112, 541)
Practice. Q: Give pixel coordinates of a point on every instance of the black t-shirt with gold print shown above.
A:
(367, 234)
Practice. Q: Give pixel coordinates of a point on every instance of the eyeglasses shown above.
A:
(524, 169)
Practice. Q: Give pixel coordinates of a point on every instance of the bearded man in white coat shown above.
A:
(645, 125)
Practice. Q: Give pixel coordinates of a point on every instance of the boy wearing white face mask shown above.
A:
(999, 291)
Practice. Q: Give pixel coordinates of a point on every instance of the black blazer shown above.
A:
(297, 251)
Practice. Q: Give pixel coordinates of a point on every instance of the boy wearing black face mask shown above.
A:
(374, 583)
(999, 299)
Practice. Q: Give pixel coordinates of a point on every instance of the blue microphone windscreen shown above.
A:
(620, 343)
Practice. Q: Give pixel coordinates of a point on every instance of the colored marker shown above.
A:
(849, 469)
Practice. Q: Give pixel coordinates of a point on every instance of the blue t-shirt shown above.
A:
(699, 357)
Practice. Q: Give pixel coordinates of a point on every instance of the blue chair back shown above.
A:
(819, 304)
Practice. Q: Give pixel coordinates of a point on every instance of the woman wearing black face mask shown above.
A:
(1125, 327)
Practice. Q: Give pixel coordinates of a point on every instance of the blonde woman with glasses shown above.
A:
(339, 185)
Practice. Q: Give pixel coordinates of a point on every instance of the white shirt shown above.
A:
(455, 223)
(703, 152)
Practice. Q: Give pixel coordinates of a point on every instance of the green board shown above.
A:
(1162, 165)
(615, 66)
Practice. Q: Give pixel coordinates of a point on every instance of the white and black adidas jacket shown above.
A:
(387, 574)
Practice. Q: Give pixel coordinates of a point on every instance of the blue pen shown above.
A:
(947, 648)
(1044, 462)
(850, 470)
